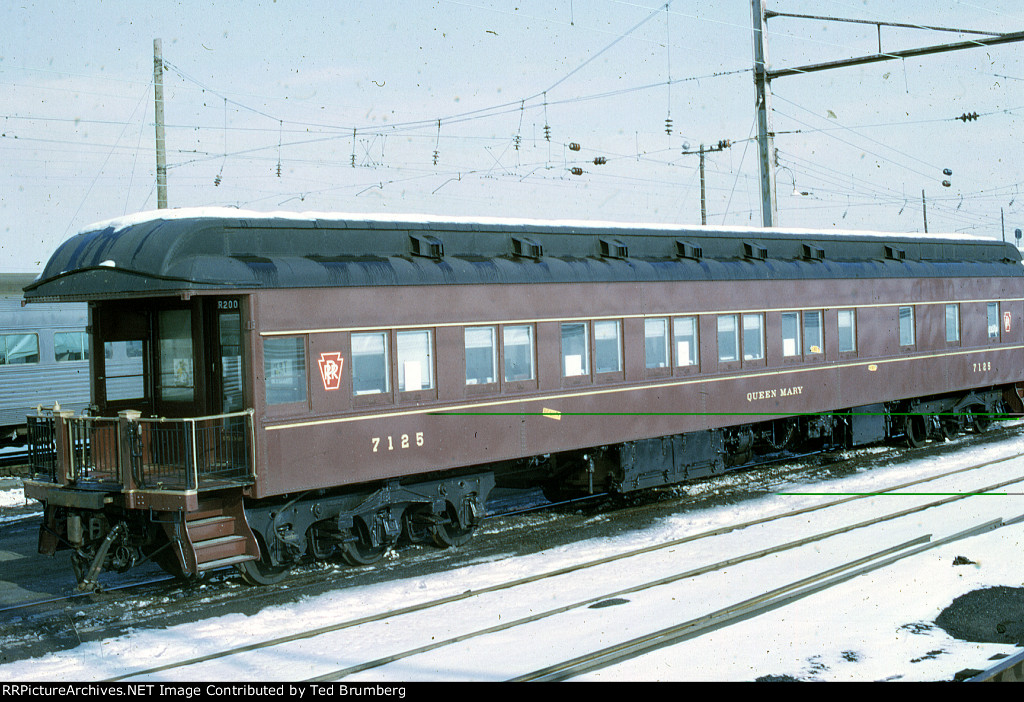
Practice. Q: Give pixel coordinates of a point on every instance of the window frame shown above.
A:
(749, 359)
(585, 361)
(736, 333)
(664, 347)
(495, 355)
(619, 369)
(303, 346)
(846, 353)
(797, 349)
(678, 366)
(990, 337)
(424, 391)
(913, 327)
(372, 396)
(955, 309)
(514, 384)
(82, 349)
(808, 348)
(4, 346)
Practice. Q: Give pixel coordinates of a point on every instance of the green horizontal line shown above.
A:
(899, 494)
(551, 412)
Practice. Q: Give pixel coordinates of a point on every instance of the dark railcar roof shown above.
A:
(191, 250)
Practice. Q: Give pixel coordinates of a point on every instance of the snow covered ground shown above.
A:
(878, 626)
(11, 495)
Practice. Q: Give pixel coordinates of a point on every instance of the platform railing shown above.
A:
(191, 453)
(42, 447)
(93, 449)
(143, 453)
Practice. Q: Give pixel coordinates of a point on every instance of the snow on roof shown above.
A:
(234, 213)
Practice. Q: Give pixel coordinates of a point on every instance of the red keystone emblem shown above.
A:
(330, 369)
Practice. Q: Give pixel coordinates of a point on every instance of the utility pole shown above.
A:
(924, 211)
(161, 153)
(722, 145)
(763, 77)
(763, 106)
(703, 197)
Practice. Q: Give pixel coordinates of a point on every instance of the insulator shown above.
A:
(576, 171)
(724, 144)
(278, 170)
(668, 126)
(436, 154)
(216, 179)
(517, 140)
(946, 183)
(947, 171)
(968, 117)
(600, 161)
(574, 146)
(353, 160)
(547, 132)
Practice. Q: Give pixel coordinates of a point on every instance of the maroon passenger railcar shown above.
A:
(312, 385)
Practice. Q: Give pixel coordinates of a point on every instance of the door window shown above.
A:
(176, 380)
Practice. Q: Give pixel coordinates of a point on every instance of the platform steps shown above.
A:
(217, 535)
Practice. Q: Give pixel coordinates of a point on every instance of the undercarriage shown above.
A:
(191, 532)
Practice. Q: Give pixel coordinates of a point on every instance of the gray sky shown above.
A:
(347, 98)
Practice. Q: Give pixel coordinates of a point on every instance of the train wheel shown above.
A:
(261, 572)
(448, 532)
(418, 525)
(361, 551)
(949, 429)
(320, 542)
(980, 420)
(356, 553)
(915, 430)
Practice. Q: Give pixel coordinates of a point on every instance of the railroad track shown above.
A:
(764, 602)
(637, 646)
(14, 459)
(1010, 669)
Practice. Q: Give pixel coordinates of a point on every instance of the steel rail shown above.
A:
(335, 675)
(770, 600)
(1007, 670)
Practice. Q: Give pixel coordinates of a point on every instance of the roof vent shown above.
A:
(427, 246)
(813, 253)
(524, 247)
(755, 251)
(891, 252)
(613, 248)
(685, 249)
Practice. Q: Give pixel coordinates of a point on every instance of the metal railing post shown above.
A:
(194, 483)
(127, 422)
(250, 420)
(63, 445)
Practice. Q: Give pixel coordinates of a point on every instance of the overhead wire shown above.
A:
(411, 128)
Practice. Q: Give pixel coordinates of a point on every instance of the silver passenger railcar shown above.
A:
(44, 357)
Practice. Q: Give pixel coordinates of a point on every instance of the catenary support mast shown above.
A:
(161, 154)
